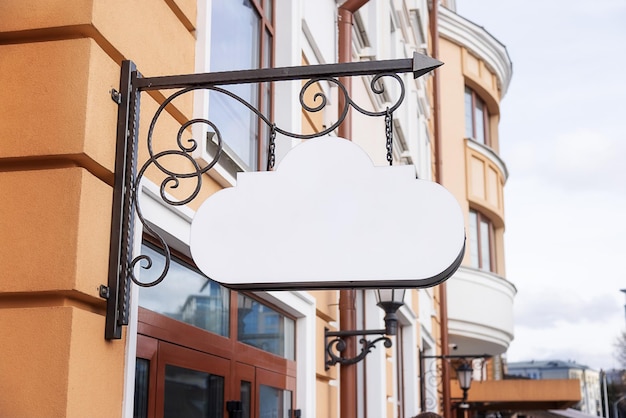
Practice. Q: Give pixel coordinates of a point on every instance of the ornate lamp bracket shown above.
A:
(431, 377)
(334, 342)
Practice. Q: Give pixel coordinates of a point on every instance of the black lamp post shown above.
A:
(390, 300)
(464, 374)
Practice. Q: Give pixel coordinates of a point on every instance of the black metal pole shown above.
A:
(418, 65)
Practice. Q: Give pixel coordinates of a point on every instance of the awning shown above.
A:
(521, 395)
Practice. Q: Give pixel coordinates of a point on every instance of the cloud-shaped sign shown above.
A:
(328, 218)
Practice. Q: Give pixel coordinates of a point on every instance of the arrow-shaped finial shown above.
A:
(423, 64)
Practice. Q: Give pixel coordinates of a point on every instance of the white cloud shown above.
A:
(590, 344)
(577, 160)
(328, 218)
(550, 306)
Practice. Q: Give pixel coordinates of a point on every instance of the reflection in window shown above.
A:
(264, 328)
(245, 398)
(237, 29)
(274, 403)
(192, 393)
(142, 376)
(186, 295)
(481, 241)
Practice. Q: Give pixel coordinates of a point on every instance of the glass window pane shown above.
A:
(274, 403)
(142, 379)
(192, 393)
(480, 122)
(473, 239)
(267, 5)
(486, 124)
(246, 398)
(469, 120)
(186, 295)
(266, 90)
(485, 245)
(268, 52)
(235, 34)
(235, 45)
(264, 328)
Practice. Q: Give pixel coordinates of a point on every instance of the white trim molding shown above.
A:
(474, 326)
(480, 42)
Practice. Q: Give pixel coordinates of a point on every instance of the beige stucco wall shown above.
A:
(56, 364)
(474, 177)
(60, 59)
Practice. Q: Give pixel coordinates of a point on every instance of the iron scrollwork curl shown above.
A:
(432, 384)
(336, 343)
(432, 377)
(184, 149)
(171, 181)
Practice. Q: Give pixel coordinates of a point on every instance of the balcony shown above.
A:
(480, 312)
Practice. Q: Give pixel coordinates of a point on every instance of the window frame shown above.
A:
(475, 100)
(264, 91)
(196, 337)
(157, 332)
(481, 218)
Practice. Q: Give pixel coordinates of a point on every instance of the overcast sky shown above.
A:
(563, 138)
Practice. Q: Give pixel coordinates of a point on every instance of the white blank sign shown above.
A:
(328, 218)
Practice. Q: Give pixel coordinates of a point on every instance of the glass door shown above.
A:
(243, 389)
(190, 383)
(275, 394)
(174, 381)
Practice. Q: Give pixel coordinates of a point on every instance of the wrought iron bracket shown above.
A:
(333, 341)
(128, 173)
(434, 374)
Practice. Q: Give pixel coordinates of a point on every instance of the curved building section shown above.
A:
(485, 324)
(475, 77)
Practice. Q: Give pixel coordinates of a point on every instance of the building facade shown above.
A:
(589, 380)
(192, 346)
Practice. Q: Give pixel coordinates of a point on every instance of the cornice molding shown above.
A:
(480, 42)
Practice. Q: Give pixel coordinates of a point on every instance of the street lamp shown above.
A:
(389, 300)
(464, 373)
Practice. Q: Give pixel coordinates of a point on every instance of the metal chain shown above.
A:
(271, 153)
(389, 135)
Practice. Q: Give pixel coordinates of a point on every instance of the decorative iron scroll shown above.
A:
(334, 342)
(431, 384)
(431, 377)
(129, 174)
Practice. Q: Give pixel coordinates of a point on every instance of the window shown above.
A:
(186, 295)
(476, 118)
(242, 36)
(200, 345)
(481, 235)
(192, 393)
(262, 327)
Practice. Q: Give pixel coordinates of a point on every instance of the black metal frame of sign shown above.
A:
(129, 172)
